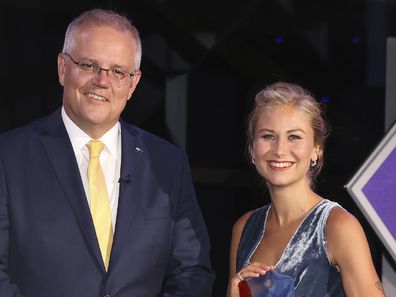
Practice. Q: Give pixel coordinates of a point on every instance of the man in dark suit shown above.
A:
(127, 225)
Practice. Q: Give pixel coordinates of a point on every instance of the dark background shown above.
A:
(226, 51)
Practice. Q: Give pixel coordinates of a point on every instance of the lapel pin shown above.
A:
(138, 150)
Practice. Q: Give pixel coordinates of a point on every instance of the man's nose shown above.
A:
(101, 77)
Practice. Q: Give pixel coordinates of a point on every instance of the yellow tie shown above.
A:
(99, 201)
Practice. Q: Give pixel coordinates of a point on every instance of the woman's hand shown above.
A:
(252, 270)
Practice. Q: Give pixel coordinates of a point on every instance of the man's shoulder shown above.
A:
(35, 128)
(151, 141)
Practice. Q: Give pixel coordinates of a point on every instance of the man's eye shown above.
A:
(118, 73)
(87, 66)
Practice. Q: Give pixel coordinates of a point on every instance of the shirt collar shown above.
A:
(79, 138)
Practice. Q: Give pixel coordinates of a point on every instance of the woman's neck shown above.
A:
(290, 204)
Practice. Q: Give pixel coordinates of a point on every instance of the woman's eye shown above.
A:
(294, 137)
(268, 137)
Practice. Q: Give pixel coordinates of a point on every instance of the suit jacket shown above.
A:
(48, 245)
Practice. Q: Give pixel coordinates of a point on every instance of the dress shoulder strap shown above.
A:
(251, 235)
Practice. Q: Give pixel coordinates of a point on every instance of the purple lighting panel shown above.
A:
(381, 192)
(373, 188)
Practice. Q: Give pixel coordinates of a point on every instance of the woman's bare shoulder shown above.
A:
(240, 223)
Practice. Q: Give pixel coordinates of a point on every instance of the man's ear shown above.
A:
(61, 68)
(134, 83)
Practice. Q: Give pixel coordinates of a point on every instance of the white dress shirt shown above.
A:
(110, 158)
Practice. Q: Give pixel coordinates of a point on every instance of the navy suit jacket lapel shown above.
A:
(57, 145)
(131, 186)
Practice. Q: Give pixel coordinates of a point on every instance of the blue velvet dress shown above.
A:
(305, 257)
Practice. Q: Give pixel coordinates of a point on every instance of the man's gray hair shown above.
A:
(102, 17)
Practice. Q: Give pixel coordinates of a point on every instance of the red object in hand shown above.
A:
(244, 290)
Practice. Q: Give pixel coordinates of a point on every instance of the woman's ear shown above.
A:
(317, 153)
(251, 155)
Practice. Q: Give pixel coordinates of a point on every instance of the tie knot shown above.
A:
(95, 147)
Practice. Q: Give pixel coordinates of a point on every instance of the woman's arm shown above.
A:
(232, 290)
(349, 250)
(252, 270)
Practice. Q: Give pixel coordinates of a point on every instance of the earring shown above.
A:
(313, 163)
(253, 161)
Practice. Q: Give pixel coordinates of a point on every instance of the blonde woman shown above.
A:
(300, 234)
